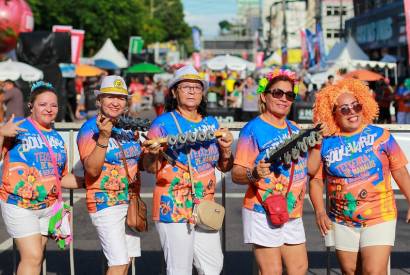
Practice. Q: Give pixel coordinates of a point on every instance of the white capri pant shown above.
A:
(257, 229)
(21, 222)
(118, 242)
(183, 244)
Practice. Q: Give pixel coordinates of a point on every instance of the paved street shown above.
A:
(238, 257)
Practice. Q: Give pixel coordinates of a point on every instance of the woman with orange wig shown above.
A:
(357, 159)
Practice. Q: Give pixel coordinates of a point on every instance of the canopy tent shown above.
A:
(344, 52)
(13, 70)
(144, 68)
(109, 52)
(364, 75)
(88, 70)
(229, 62)
(105, 64)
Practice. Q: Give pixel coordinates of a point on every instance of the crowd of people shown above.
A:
(237, 92)
(355, 161)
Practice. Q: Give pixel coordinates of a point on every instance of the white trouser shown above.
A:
(182, 245)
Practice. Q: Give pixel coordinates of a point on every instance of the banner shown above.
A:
(310, 41)
(407, 14)
(303, 46)
(259, 59)
(197, 60)
(321, 45)
(196, 39)
(135, 46)
(77, 41)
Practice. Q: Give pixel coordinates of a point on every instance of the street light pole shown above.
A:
(284, 35)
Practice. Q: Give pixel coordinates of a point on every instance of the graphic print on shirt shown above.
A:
(28, 173)
(111, 187)
(255, 138)
(357, 171)
(172, 196)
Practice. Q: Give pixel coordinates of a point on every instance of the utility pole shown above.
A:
(284, 35)
(318, 11)
(341, 20)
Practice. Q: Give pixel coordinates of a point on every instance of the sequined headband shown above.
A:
(41, 83)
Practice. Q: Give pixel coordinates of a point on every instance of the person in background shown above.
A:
(219, 90)
(235, 98)
(330, 80)
(402, 98)
(357, 162)
(12, 99)
(28, 191)
(250, 107)
(159, 97)
(384, 97)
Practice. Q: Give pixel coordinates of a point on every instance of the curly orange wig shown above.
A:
(326, 100)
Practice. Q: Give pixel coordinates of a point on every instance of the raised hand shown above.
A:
(226, 138)
(105, 125)
(11, 129)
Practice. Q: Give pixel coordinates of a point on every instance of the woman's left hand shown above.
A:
(226, 139)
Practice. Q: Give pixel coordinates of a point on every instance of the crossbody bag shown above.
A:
(208, 215)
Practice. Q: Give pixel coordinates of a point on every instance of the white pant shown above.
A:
(182, 245)
(118, 242)
(21, 222)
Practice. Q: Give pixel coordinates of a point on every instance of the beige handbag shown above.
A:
(208, 215)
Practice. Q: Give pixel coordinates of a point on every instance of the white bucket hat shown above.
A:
(187, 73)
(112, 85)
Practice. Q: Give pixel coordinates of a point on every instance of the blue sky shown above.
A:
(206, 14)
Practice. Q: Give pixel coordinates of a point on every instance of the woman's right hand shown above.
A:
(104, 125)
(11, 129)
(323, 222)
(261, 170)
(152, 148)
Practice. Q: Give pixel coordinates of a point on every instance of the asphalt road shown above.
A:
(238, 256)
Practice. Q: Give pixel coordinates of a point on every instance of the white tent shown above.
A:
(110, 52)
(230, 62)
(13, 70)
(344, 52)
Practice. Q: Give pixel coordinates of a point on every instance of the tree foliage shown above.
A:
(118, 20)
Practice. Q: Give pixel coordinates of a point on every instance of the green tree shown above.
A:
(171, 15)
(224, 26)
(102, 19)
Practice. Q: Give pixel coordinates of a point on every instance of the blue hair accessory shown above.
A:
(41, 83)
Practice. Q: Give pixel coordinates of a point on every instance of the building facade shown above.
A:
(333, 15)
(273, 28)
(379, 27)
(249, 15)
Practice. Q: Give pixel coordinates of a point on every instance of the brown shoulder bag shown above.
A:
(137, 209)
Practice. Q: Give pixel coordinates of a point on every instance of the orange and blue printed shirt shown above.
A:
(28, 179)
(356, 169)
(255, 139)
(172, 201)
(111, 187)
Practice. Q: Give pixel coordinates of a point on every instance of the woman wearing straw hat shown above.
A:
(274, 241)
(357, 160)
(34, 170)
(190, 161)
(102, 146)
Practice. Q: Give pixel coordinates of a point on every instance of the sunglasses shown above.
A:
(278, 93)
(347, 109)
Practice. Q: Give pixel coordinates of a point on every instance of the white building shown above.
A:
(249, 14)
(274, 28)
(333, 15)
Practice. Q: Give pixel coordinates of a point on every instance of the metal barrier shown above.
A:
(69, 131)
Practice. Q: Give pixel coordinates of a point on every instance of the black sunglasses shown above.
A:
(347, 109)
(278, 93)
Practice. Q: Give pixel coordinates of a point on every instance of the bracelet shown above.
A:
(250, 176)
(101, 146)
